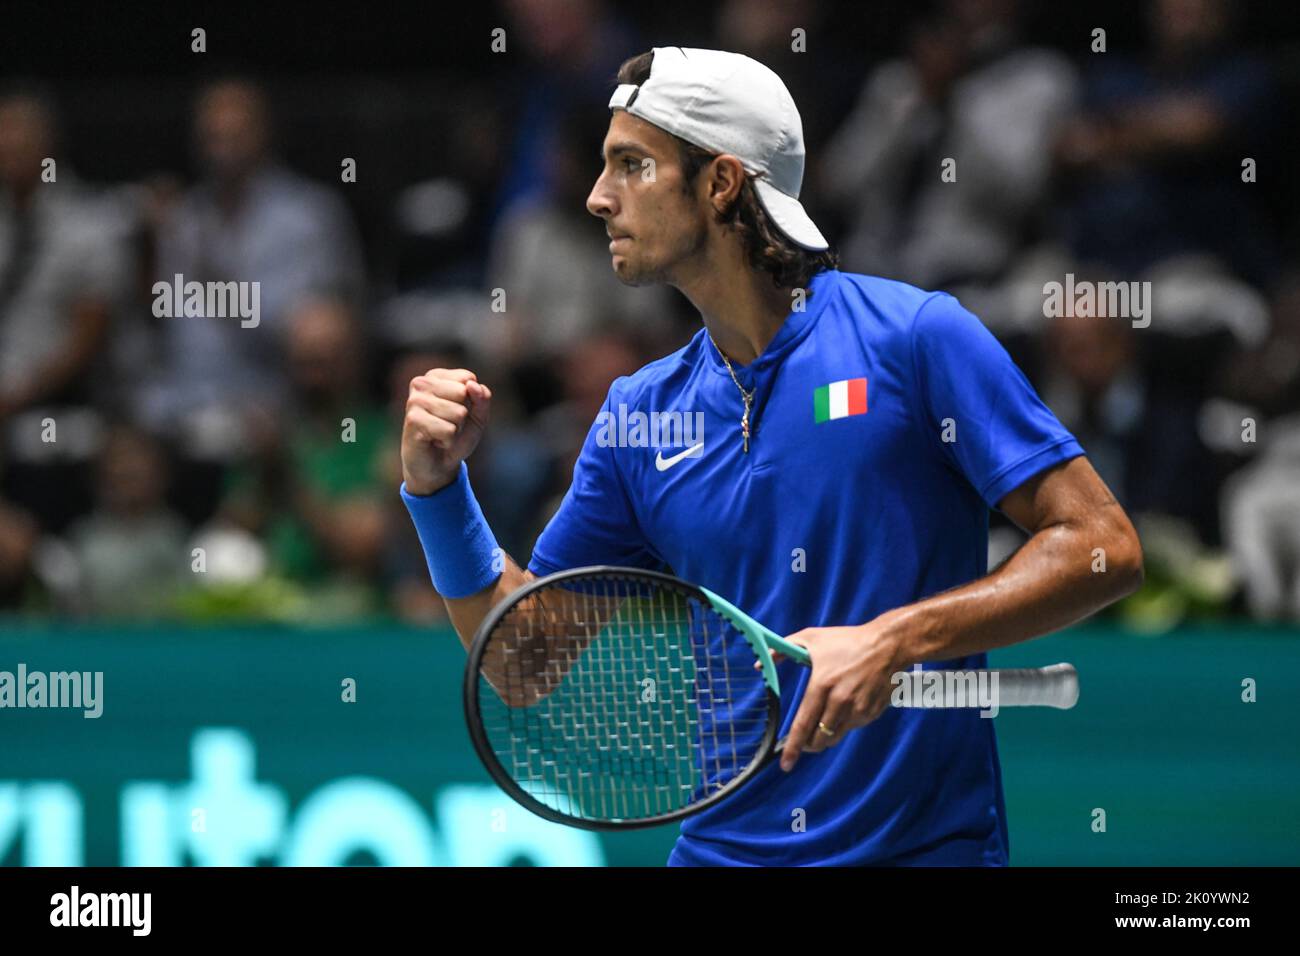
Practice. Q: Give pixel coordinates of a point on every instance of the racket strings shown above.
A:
(612, 698)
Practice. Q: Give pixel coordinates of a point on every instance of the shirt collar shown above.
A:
(797, 324)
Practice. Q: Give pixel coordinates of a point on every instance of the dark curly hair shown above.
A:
(768, 250)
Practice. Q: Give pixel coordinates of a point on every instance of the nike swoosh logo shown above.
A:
(663, 464)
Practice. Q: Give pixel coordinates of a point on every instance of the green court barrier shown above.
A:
(348, 746)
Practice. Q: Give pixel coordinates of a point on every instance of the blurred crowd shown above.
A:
(194, 467)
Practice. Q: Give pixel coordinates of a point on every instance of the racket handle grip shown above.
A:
(1053, 686)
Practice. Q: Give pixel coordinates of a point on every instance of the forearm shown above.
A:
(1054, 580)
(470, 571)
(467, 613)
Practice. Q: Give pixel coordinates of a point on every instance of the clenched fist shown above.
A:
(446, 413)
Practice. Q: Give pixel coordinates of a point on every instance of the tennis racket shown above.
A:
(613, 698)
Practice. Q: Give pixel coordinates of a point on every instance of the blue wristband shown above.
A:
(458, 544)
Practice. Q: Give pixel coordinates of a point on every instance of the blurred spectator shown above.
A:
(1153, 165)
(1140, 429)
(1095, 387)
(1261, 516)
(1261, 502)
(966, 91)
(21, 588)
(130, 552)
(314, 485)
(61, 269)
(574, 48)
(1266, 376)
(250, 220)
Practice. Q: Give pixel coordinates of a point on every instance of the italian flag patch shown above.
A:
(840, 400)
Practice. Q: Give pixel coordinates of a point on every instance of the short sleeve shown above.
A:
(596, 523)
(984, 415)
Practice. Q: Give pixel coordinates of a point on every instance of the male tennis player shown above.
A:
(856, 432)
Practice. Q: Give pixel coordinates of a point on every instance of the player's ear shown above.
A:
(725, 176)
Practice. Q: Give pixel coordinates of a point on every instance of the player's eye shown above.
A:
(631, 165)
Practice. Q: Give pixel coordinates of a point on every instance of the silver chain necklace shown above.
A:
(746, 397)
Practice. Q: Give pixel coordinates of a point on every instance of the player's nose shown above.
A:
(600, 202)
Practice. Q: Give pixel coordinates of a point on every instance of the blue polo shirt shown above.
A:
(854, 498)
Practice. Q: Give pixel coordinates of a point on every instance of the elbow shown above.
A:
(1136, 574)
(1128, 562)
(518, 690)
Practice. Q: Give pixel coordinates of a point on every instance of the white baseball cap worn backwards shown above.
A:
(729, 103)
